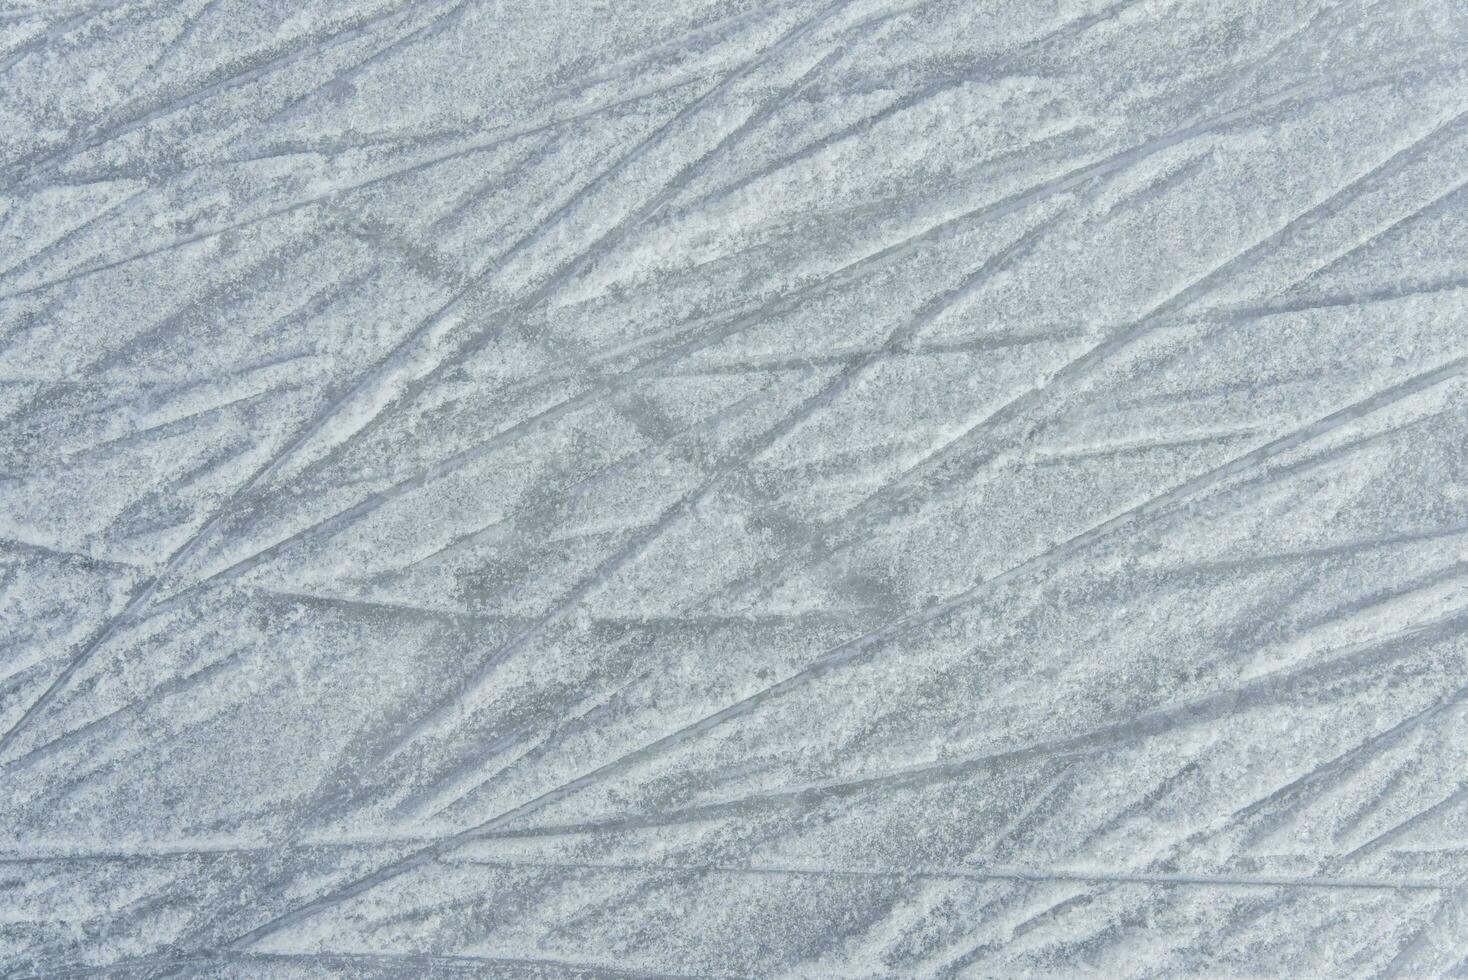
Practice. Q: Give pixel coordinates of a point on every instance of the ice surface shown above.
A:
(817, 488)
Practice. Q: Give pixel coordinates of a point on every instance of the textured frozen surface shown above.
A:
(734, 488)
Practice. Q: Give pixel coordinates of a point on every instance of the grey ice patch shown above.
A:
(832, 488)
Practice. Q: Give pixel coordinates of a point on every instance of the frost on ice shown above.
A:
(814, 489)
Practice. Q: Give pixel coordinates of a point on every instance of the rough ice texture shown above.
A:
(734, 488)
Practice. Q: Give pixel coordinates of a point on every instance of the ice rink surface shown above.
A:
(717, 488)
